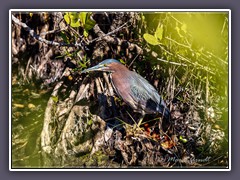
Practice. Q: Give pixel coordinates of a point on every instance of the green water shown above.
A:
(28, 106)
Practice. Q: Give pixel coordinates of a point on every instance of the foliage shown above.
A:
(198, 44)
(156, 39)
(80, 19)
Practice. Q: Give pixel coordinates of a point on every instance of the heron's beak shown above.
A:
(99, 67)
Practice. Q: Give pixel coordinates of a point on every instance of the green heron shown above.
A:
(136, 91)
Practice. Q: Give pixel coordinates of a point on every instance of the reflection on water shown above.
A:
(28, 106)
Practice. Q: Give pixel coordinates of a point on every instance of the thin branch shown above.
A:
(108, 34)
(187, 60)
(39, 38)
(211, 54)
(52, 31)
(180, 64)
(106, 14)
(176, 19)
(114, 40)
(224, 24)
(180, 44)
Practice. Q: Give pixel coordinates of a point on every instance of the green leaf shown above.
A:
(89, 22)
(122, 61)
(58, 57)
(75, 24)
(55, 98)
(83, 65)
(72, 18)
(85, 33)
(183, 139)
(75, 21)
(64, 37)
(82, 17)
(90, 122)
(67, 18)
(159, 32)
(151, 39)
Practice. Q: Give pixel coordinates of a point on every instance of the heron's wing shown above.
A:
(146, 95)
(143, 90)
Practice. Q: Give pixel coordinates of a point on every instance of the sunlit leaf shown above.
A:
(83, 65)
(90, 122)
(75, 23)
(82, 17)
(159, 32)
(122, 61)
(72, 18)
(67, 18)
(151, 39)
(89, 23)
(55, 98)
(85, 33)
(182, 139)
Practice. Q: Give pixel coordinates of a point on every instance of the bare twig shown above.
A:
(211, 54)
(176, 19)
(106, 14)
(108, 34)
(134, 59)
(52, 31)
(115, 40)
(224, 25)
(180, 44)
(39, 38)
(180, 64)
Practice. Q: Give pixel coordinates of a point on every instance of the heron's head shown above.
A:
(108, 65)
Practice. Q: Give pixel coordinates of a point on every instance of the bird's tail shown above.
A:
(166, 112)
(163, 109)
